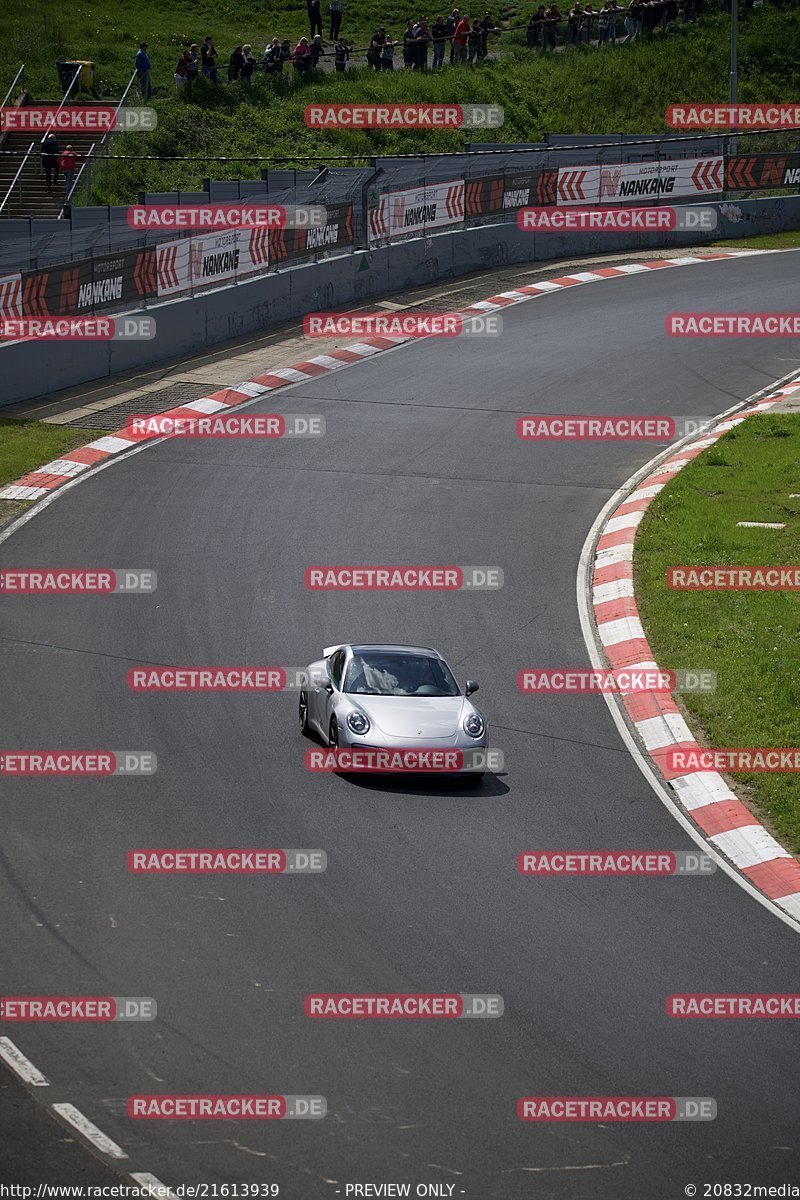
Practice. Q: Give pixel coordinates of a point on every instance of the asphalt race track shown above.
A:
(421, 464)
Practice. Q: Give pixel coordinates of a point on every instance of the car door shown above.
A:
(329, 696)
(317, 696)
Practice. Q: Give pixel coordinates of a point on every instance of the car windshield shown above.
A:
(398, 674)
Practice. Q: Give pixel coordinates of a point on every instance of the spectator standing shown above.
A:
(301, 59)
(409, 46)
(487, 26)
(193, 67)
(341, 55)
(612, 8)
(375, 50)
(271, 60)
(286, 52)
(460, 39)
(650, 13)
(603, 23)
(208, 60)
(387, 53)
(314, 17)
(612, 24)
(235, 64)
(50, 152)
(336, 10)
(67, 163)
(474, 41)
(452, 25)
(181, 70)
(531, 32)
(585, 31)
(439, 35)
(316, 50)
(552, 17)
(248, 64)
(142, 65)
(538, 27)
(633, 21)
(574, 17)
(422, 35)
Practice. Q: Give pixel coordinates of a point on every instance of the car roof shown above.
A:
(405, 649)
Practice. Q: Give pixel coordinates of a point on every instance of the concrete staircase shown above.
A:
(30, 197)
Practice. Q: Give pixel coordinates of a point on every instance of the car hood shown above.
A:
(414, 717)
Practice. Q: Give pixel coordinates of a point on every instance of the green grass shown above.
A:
(584, 90)
(26, 445)
(765, 241)
(751, 639)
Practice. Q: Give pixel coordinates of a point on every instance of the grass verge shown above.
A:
(26, 445)
(765, 241)
(751, 639)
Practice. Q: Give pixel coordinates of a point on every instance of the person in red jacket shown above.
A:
(67, 163)
(460, 39)
(301, 59)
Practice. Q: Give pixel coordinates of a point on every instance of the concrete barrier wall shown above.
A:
(189, 325)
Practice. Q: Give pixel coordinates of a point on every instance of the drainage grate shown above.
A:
(115, 416)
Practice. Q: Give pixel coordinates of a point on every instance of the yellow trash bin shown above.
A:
(68, 68)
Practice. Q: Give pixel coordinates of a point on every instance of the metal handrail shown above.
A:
(14, 84)
(30, 149)
(20, 169)
(127, 89)
(103, 141)
(74, 188)
(65, 99)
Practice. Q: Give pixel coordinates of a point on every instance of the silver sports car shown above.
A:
(392, 697)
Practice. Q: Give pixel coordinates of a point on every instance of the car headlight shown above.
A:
(357, 722)
(473, 725)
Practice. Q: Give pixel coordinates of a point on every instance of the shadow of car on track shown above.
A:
(411, 784)
(419, 783)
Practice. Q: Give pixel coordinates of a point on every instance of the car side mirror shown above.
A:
(471, 687)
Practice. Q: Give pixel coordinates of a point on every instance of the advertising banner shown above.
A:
(11, 296)
(745, 171)
(91, 285)
(499, 193)
(683, 177)
(287, 245)
(211, 258)
(432, 207)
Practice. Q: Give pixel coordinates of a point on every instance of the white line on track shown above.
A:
(82, 1125)
(597, 659)
(20, 1065)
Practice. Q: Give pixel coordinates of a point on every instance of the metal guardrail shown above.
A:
(92, 233)
(30, 149)
(86, 165)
